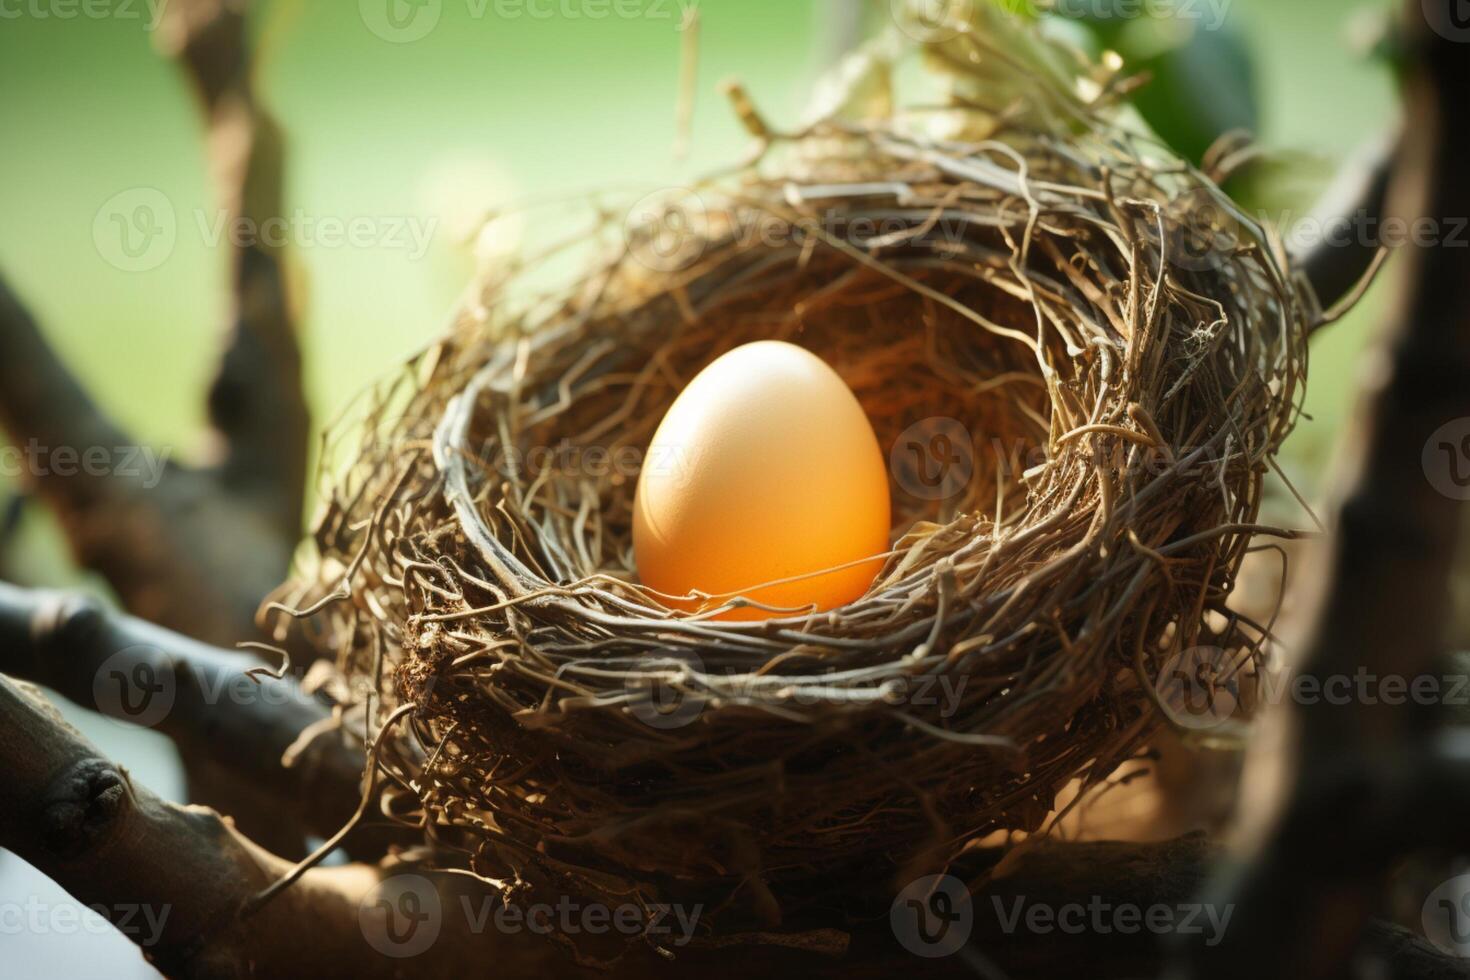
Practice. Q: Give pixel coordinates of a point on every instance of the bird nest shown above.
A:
(1082, 357)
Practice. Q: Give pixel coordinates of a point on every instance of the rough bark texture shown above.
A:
(1357, 778)
(196, 694)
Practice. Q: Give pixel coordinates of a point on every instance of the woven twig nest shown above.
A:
(1106, 349)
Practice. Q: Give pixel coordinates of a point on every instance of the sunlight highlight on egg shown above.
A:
(765, 469)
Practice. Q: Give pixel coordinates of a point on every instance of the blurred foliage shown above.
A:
(1203, 76)
(485, 111)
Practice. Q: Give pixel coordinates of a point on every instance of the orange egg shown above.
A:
(765, 468)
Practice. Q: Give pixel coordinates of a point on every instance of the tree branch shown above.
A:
(193, 549)
(115, 846)
(256, 401)
(176, 547)
(1349, 215)
(42, 400)
(1358, 776)
(199, 696)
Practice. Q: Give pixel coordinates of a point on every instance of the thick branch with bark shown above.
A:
(1359, 778)
(200, 696)
(198, 549)
(115, 846)
(42, 399)
(175, 545)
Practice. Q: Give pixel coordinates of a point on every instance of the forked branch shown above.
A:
(193, 549)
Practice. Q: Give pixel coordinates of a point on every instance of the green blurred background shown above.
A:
(496, 103)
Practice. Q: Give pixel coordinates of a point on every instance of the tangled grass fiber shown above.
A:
(1120, 350)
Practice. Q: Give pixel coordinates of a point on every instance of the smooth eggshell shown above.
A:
(764, 468)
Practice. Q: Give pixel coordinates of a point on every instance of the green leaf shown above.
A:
(1200, 90)
(1203, 76)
